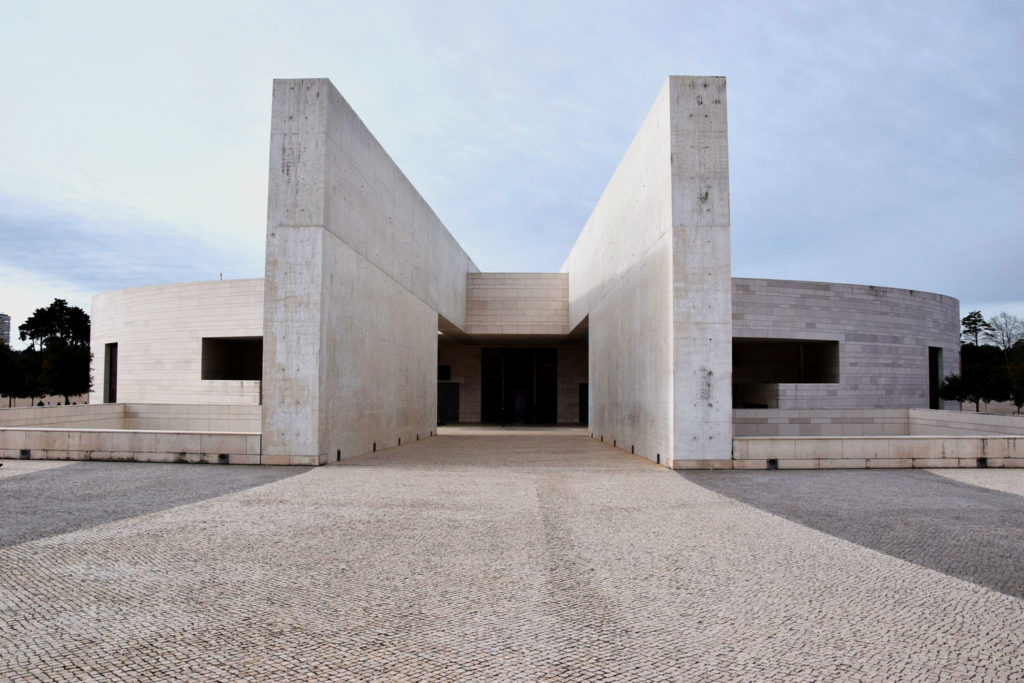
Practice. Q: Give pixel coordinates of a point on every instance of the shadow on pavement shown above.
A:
(964, 531)
(86, 494)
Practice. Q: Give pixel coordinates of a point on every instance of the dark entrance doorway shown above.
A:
(934, 376)
(519, 386)
(110, 373)
(447, 402)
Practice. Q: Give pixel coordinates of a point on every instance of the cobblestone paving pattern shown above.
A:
(14, 468)
(425, 571)
(969, 532)
(1007, 480)
(48, 500)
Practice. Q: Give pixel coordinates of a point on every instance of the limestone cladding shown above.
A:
(826, 422)
(517, 303)
(883, 334)
(572, 372)
(159, 333)
(952, 423)
(464, 361)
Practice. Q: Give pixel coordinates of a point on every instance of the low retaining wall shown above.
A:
(85, 416)
(877, 452)
(241, 448)
(139, 416)
(193, 418)
(844, 422)
(954, 423)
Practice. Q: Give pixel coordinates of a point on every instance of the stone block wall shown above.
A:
(883, 334)
(878, 452)
(464, 360)
(572, 371)
(517, 303)
(96, 416)
(951, 423)
(131, 446)
(851, 422)
(159, 333)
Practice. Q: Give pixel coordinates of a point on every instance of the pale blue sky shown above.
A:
(871, 142)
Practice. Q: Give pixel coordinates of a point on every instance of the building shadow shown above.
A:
(965, 531)
(86, 494)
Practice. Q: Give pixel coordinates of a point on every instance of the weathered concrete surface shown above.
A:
(651, 274)
(701, 271)
(358, 268)
(450, 564)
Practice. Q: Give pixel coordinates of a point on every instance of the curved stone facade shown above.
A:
(883, 337)
(159, 332)
(879, 337)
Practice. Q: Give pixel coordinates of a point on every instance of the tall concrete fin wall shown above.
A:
(701, 272)
(358, 268)
(651, 270)
(620, 275)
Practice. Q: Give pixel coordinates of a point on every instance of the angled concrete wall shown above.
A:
(358, 268)
(650, 272)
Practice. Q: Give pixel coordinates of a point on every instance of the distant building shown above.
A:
(5, 329)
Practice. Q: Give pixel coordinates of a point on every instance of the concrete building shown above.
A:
(373, 324)
(5, 329)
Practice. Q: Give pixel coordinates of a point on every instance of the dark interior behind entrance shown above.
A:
(934, 377)
(760, 365)
(519, 386)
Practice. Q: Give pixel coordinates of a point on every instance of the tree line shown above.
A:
(991, 362)
(56, 361)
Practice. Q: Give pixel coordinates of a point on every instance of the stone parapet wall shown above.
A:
(855, 422)
(138, 416)
(946, 422)
(193, 418)
(85, 416)
(131, 445)
(876, 452)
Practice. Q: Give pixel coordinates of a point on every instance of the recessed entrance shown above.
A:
(519, 385)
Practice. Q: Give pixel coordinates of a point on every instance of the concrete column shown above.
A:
(701, 274)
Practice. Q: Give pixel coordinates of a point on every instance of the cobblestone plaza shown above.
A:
(524, 556)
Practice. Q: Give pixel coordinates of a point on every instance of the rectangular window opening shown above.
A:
(759, 366)
(235, 358)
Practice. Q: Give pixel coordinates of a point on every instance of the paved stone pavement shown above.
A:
(1007, 480)
(409, 567)
(969, 532)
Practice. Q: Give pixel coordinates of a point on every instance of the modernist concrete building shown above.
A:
(5, 329)
(373, 324)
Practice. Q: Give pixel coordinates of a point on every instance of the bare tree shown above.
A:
(1004, 330)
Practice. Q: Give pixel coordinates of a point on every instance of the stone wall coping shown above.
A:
(123, 431)
(902, 437)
